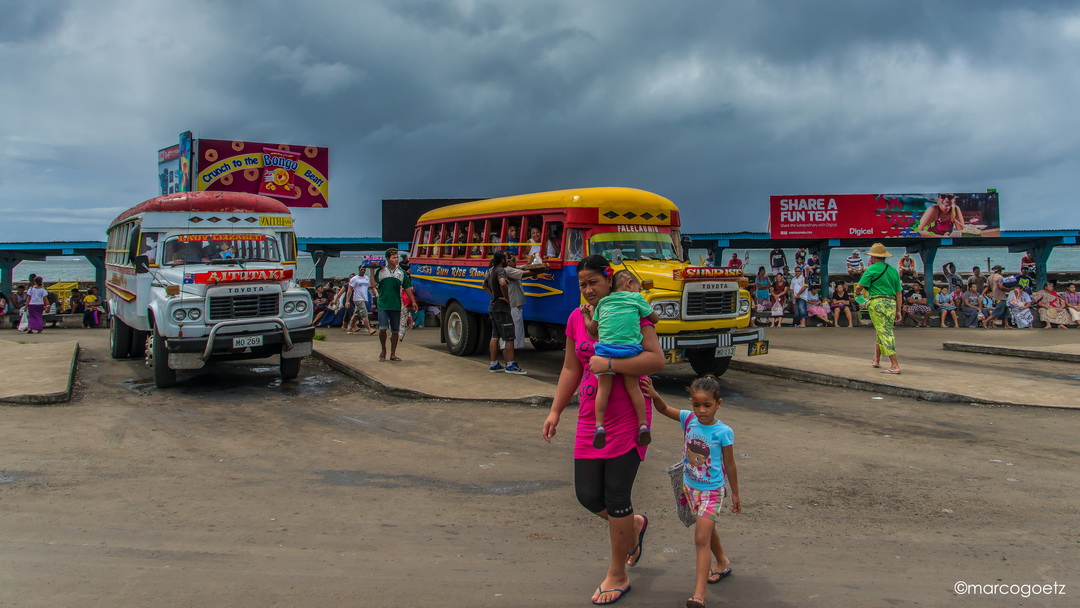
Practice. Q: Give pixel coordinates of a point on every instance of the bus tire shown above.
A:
(138, 343)
(119, 339)
(164, 376)
(462, 330)
(483, 336)
(290, 368)
(703, 362)
(545, 345)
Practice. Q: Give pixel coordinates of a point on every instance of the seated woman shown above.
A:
(1052, 308)
(841, 304)
(1019, 303)
(947, 300)
(816, 307)
(916, 307)
(1072, 303)
(92, 307)
(975, 312)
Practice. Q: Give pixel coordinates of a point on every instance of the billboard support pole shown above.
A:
(927, 251)
(1041, 249)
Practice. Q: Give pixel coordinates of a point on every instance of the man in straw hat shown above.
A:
(881, 283)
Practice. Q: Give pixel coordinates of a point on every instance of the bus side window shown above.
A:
(575, 244)
(288, 247)
(496, 230)
(148, 246)
(553, 240)
(535, 237)
(416, 239)
(446, 233)
(475, 229)
(513, 234)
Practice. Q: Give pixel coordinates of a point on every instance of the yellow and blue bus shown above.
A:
(704, 312)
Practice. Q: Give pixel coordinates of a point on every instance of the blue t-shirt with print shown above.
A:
(703, 459)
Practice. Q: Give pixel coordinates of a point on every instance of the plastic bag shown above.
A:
(682, 508)
(24, 320)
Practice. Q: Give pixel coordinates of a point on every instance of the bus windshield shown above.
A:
(647, 246)
(220, 249)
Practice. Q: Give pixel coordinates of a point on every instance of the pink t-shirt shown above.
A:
(622, 421)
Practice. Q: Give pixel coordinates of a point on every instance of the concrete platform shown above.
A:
(841, 357)
(1063, 352)
(36, 373)
(427, 371)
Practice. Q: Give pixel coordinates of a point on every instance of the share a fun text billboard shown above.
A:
(882, 216)
(296, 175)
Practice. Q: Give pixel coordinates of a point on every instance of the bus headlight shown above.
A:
(301, 306)
(179, 315)
(744, 306)
(194, 314)
(289, 307)
(666, 309)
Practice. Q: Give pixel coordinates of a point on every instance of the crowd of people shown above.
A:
(30, 304)
(979, 300)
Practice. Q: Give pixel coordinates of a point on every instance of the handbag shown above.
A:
(675, 471)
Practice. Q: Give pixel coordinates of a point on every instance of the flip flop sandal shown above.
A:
(644, 436)
(694, 603)
(890, 371)
(395, 358)
(621, 593)
(640, 548)
(726, 572)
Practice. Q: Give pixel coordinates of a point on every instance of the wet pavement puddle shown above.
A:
(499, 488)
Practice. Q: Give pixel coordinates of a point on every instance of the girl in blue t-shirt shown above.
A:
(709, 469)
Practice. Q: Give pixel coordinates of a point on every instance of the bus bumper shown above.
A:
(192, 353)
(713, 339)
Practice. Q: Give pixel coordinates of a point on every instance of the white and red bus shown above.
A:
(195, 276)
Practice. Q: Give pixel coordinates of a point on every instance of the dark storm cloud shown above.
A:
(716, 105)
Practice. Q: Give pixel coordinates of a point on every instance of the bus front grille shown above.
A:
(709, 304)
(243, 307)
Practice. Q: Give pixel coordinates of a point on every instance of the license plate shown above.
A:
(247, 341)
(724, 351)
(761, 347)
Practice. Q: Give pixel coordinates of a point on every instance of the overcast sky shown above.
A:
(713, 104)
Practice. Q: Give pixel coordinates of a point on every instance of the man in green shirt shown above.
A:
(881, 282)
(389, 281)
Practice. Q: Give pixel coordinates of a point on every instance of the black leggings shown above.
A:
(605, 483)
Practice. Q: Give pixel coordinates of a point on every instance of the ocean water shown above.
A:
(1062, 259)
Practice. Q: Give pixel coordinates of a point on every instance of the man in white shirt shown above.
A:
(359, 287)
(800, 290)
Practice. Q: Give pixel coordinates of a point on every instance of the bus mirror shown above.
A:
(318, 258)
(142, 264)
(616, 256)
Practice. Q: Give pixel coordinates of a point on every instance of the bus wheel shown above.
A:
(483, 334)
(290, 368)
(462, 330)
(703, 362)
(119, 339)
(164, 376)
(543, 345)
(138, 343)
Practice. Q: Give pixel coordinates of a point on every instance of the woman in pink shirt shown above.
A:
(604, 478)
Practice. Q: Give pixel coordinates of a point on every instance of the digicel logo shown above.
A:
(234, 276)
(691, 273)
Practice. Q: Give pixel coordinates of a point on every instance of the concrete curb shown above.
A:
(367, 380)
(875, 387)
(52, 398)
(1008, 351)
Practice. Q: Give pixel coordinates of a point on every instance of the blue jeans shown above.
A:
(800, 309)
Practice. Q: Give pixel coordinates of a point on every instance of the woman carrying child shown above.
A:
(604, 477)
(709, 472)
(617, 322)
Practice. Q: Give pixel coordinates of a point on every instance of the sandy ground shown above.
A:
(236, 489)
